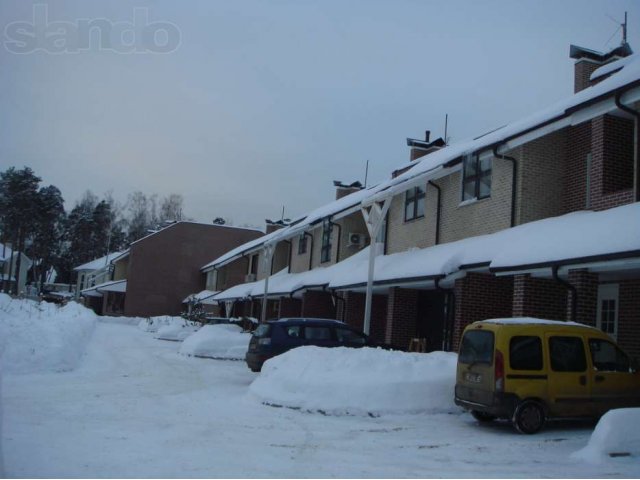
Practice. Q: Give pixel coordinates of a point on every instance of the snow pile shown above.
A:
(152, 324)
(217, 341)
(175, 329)
(40, 337)
(358, 381)
(616, 435)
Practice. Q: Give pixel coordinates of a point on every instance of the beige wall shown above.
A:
(121, 268)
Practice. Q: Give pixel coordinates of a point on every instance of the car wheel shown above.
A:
(529, 417)
(482, 416)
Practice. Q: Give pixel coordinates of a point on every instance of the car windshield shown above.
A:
(476, 347)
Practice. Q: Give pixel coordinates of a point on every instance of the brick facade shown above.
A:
(290, 307)
(353, 313)
(538, 297)
(318, 305)
(402, 315)
(586, 285)
(480, 296)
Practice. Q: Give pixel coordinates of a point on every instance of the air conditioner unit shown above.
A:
(250, 277)
(356, 240)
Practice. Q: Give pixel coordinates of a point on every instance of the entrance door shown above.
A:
(431, 319)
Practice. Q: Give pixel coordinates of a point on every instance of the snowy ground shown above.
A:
(135, 407)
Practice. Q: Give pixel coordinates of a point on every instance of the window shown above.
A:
(317, 333)
(525, 353)
(476, 177)
(294, 331)
(302, 244)
(606, 357)
(254, 264)
(477, 347)
(325, 253)
(607, 319)
(414, 203)
(567, 354)
(350, 337)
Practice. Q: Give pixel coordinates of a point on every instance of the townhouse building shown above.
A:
(538, 218)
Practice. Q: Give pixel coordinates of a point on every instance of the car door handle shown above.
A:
(599, 378)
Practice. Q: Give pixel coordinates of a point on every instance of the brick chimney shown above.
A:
(588, 61)
(420, 148)
(343, 190)
(273, 226)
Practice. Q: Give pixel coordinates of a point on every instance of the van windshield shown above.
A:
(476, 347)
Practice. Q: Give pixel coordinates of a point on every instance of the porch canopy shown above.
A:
(602, 241)
(203, 297)
(117, 286)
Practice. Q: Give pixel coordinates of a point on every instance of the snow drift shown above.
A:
(615, 435)
(217, 341)
(364, 381)
(40, 336)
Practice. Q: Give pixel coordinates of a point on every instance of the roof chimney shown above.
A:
(343, 190)
(273, 226)
(420, 148)
(588, 61)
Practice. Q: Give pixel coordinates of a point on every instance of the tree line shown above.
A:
(33, 220)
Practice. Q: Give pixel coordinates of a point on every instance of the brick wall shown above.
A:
(629, 317)
(290, 307)
(539, 297)
(541, 166)
(575, 174)
(586, 284)
(479, 297)
(318, 305)
(582, 71)
(353, 315)
(402, 314)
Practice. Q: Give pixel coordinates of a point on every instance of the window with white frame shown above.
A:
(476, 178)
(608, 306)
(414, 203)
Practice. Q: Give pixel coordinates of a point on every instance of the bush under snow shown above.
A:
(615, 435)
(40, 336)
(358, 381)
(217, 341)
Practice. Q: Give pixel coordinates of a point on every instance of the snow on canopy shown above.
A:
(118, 286)
(98, 262)
(200, 296)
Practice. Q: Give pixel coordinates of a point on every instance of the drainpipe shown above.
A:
(636, 116)
(514, 179)
(438, 211)
(339, 237)
(571, 288)
(307, 234)
(337, 299)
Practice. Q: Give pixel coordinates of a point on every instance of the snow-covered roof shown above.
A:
(98, 263)
(119, 286)
(238, 251)
(182, 222)
(575, 238)
(200, 296)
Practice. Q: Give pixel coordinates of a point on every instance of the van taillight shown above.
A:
(499, 371)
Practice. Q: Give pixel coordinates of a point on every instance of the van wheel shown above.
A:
(482, 416)
(529, 417)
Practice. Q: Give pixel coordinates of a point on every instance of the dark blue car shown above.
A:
(277, 336)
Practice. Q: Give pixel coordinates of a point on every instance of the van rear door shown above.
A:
(569, 383)
(475, 373)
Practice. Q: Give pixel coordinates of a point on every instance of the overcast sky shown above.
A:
(262, 104)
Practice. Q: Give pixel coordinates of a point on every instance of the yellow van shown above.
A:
(527, 370)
